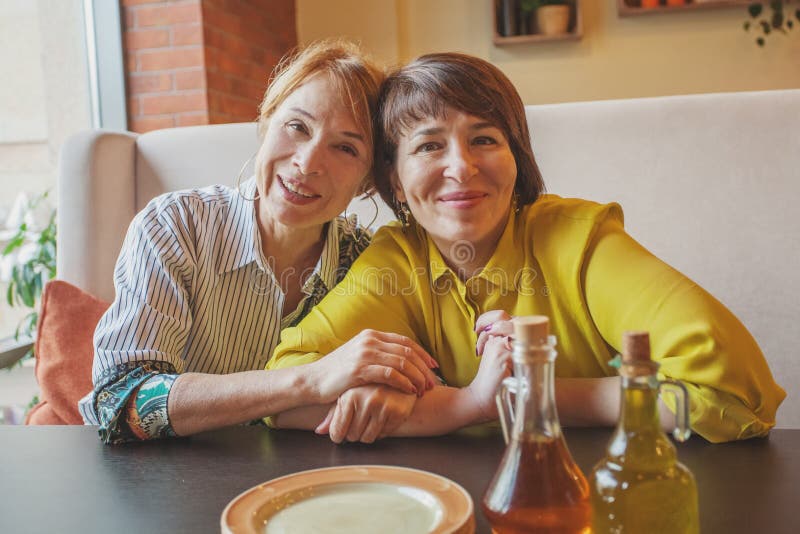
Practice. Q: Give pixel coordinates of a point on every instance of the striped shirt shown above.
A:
(194, 292)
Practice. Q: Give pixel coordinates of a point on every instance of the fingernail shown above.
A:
(488, 328)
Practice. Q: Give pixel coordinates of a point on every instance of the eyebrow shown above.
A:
(346, 133)
(438, 129)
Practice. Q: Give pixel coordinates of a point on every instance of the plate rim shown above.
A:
(469, 512)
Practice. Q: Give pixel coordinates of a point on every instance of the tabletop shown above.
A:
(62, 479)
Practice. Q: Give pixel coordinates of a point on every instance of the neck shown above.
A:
(286, 246)
(467, 258)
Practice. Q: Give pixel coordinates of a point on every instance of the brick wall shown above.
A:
(191, 62)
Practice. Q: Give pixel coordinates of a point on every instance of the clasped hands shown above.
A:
(386, 374)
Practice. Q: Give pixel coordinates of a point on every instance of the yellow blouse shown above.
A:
(571, 260)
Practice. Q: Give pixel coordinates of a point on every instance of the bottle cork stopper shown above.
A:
(635, 347)
(531, 329)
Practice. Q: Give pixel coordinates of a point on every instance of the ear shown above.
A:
(399, 194)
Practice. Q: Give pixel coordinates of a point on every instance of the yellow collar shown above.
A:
(499, 271)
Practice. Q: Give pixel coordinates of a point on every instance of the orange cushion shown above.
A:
(64, 352)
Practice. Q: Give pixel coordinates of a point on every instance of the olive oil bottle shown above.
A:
(640, 486)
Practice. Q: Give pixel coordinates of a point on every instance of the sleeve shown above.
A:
(695, 338)
(139, 341)
(375, 293)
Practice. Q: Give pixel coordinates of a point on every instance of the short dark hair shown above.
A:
(430, 84)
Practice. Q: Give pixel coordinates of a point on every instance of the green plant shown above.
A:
(29, 275)
(529, 6)
(777, 18)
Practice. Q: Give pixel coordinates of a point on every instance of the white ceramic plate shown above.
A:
(352, 499)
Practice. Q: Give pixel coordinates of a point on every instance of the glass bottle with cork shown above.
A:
(538, 486)
(640, 486)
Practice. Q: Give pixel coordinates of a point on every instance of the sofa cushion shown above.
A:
(64, 352)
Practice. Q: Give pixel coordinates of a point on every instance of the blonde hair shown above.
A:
(354, 76)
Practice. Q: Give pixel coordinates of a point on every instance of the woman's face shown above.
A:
(457, 175)
(313, 157)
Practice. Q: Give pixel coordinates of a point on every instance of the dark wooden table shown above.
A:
(62, 479)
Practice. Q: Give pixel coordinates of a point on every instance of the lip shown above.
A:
(291, 196)
(463, 199)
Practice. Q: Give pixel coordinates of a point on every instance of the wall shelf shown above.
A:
(574, 34)
(625, 8)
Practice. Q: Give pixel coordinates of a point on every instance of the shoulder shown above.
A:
(182, 204)
(393, 246)
(558, 209)
(565, 227)
(175, 220)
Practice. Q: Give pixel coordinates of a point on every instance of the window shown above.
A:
(50, 73)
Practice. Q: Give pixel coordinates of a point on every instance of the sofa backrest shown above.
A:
(706, 182)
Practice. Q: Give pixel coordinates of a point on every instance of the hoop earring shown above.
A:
(239, 179)
(377, 209)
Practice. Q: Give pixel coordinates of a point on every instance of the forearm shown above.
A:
(595, 402)
(440, 411)
(199, 402)
(580, 402)
(302, 418)
(443, 410)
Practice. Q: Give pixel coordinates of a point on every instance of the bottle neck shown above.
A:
(639, 404)
(536, 413)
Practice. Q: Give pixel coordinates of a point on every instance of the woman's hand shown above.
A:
(373, 357)
(492, 323)
(366, 413)
(495, 366)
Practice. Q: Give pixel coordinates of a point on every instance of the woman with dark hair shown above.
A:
(479, 242)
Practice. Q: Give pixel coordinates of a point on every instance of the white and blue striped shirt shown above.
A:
(195, 293)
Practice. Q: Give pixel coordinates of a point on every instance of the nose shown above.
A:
(308, 158)
(460, 164)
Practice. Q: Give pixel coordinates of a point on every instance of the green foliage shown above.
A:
(28, 277)
(775, 17)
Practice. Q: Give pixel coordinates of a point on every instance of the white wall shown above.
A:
(618, 57)
(44, 94)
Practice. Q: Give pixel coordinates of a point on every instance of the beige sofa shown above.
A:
(708, 183)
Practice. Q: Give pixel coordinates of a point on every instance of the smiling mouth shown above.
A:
(462, 197)
(296, 189)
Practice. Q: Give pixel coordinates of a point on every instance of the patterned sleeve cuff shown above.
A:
(132, 404)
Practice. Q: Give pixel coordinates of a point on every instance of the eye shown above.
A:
(297, 126)
(484, 140)
(349, 149)
(427, 147)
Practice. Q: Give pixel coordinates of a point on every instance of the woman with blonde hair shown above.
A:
(207, 278)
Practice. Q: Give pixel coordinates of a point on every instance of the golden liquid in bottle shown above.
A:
(547, 495)
(639, 486)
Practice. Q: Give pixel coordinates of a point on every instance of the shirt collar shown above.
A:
(240, 237)
(328, 264)
(503, 268)
(500, 270)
